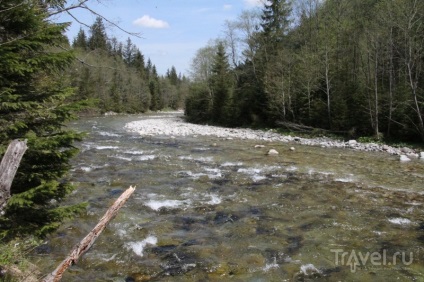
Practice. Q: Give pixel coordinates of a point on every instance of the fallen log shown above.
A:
(8, 167)
(88, 241)
(307, 129)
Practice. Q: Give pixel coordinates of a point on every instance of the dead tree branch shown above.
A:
(88, 241)
(8, 167)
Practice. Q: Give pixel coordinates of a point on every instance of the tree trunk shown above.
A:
(8, 167)
(88, 241)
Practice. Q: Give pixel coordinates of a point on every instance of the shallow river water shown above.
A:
(212, 209)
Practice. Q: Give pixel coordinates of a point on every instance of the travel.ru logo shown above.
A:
(356, 258)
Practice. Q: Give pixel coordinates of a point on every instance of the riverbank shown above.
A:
(173, 124)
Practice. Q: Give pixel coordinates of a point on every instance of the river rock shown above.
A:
(292, 149)
(406, 150)
(110, 113)
(259, 146)
(404, 158)
(412, 155)
(352, 143)
(272, 152)
(422, 155)
(385, 147)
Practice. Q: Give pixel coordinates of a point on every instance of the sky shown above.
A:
(171, 30)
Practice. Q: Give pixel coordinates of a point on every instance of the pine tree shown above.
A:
(33, 106)
(81, 40)
(98, 38)
(221, 85)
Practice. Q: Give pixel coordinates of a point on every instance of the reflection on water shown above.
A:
(227, 211)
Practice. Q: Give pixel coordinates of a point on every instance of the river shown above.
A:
(218, 209)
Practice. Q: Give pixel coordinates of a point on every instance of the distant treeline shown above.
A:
(117, 77)
(343, 65)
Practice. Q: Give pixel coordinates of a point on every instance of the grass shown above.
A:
(14, 265)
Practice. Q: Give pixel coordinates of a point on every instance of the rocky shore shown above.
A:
(173, 125)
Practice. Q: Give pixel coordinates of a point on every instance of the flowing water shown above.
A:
(209, 209)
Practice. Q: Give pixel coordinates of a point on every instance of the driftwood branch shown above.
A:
(88, 241)
(8, 167)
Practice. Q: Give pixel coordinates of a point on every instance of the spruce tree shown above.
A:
(98, 38)
(34, 106)
(221, 85)
(81, 40)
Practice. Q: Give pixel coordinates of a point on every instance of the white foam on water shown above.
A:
(270, 266)
(104, 133)
(347, 179)
(138, 247)
(250, 171)
(200, 159)
(214, 173)
(121, 158)
(158, 204)
(400, 221)
(226, 164)
(257, 178)
(106, 147)
(86, 168)
(215, 199)
(291, 168)
(254, 173)
(308, 269)
(146, 158)
(135, 152)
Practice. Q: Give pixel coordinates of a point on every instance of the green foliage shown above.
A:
(198, 103)
(116, 76)
(221, 83)
(341, 65)
(35, 104)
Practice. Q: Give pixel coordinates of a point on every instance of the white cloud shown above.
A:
(148, 21)
(254, 3)
(227, 7)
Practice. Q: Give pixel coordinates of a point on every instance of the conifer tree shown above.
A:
(221, 85)
(81, 40)
(33, 106)
(98, 38)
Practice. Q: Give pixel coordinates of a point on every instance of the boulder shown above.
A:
(404, 158)
(352, 142)
(272, 152)
(412, 156)
(406, 150)
(422, 155)
(385, 147)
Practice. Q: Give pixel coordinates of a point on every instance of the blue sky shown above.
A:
(171, 30)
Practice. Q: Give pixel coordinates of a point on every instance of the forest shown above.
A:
(117, 77)
(353, 67)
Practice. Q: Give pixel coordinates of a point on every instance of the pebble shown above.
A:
(173, 124)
